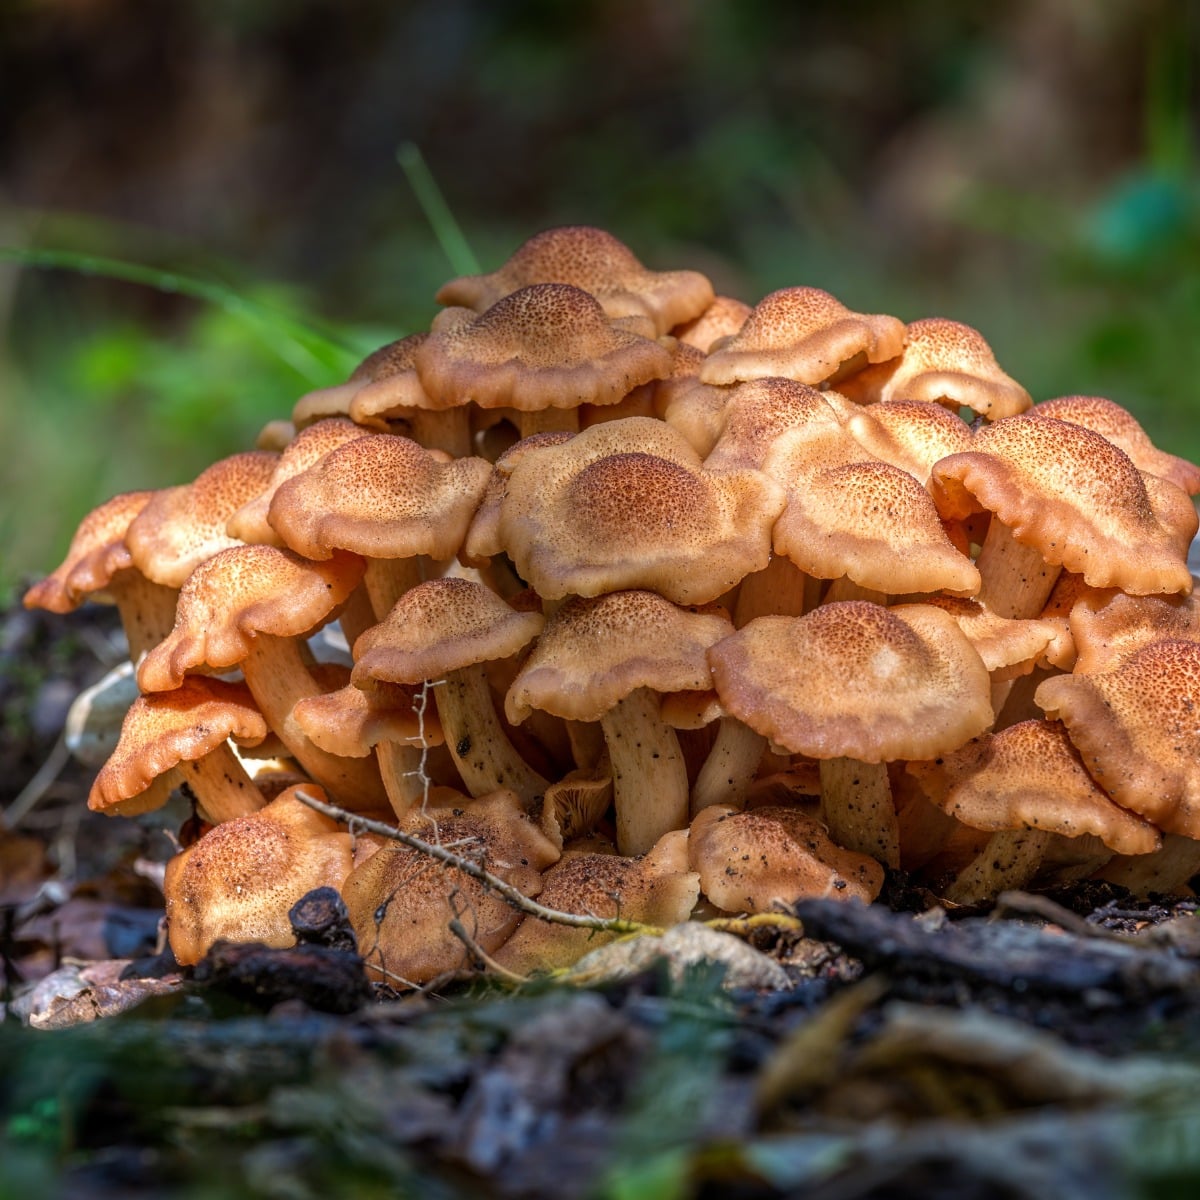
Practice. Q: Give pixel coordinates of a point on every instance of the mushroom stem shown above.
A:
(846, 589)
(481, 750)
(547, 420)
(222, 785)
(277, 677)
(1167, 870)
(357, 616)
(147, 609)
(405, 778)
(1010, 859)
(650, 784)
(587, 743)
(1017, 581)
(730, 767)
(857, 808)
(446, 429)
(779, 589)
(387, 579)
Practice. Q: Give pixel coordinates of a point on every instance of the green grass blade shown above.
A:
(437, 212)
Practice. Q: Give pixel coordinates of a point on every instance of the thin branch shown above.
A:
(504, 890)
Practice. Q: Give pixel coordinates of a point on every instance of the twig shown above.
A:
(478, 952)
(506, 891)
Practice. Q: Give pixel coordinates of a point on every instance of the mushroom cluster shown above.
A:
(657, 605)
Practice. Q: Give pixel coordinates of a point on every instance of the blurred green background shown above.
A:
(1028, 168)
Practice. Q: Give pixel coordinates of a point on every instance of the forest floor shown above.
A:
(1047, 1047)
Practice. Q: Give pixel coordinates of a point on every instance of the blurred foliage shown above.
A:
(1026, 168)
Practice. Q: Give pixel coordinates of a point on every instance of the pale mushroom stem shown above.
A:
(277, 678)
(481, 750)
(846, 589)
(548, 420)
(446, 429)
(857, 808)
(387, 579)
(405, 778)
(1165, 871)
(147, 610)
(650, 784)
(1017, 581)
(357, 615)
(587, 743)
(779, 589)
(222, 786)
(730, 767)
(1010, 859)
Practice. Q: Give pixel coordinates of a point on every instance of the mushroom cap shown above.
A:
(627, 504)
(1107, 626)
(595, 652)
(722, 318)
(239, 881)
(765, 859)
(401, 902)
(1029, 776)
(597, 262)
(380, 495)
(1008, 648)
(351, 720)
(306, 449)
(1121, 428)
(97, 552)
(182, 526)
(876, 524)
(910, 434)
(546, 346)
(438, 626)
(1136, 730)
(239, 593)
(855, 680)
(658, 888)
(389, 387)
(164, 729)
(760, 413)
(949, 363)
(802, 333)
(1071, 494)
(574, 806)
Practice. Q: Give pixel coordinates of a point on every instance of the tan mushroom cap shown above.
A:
(628, 504)
(438, 626)
(1109, 626)
(1173, 509)
(545, 346)
(855, 680)
(761, 413)
(910, 434)
(876, 524)
(1069, 493)
(658, 889)
(596, 651)
(1008, 648)
(401, 902)
(383, 496)
(1121, 428)
(182, 526)
(242, 592)
(483, 539)
(802, 333)
(1030, 776)
(722, 318)
(1136, 730)
(97, 552)
(239, 881)
(162, 730)
(600, 264)
(351, 720)
(310, 445)
(767, 858)
(947, 363)
(388, 383)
